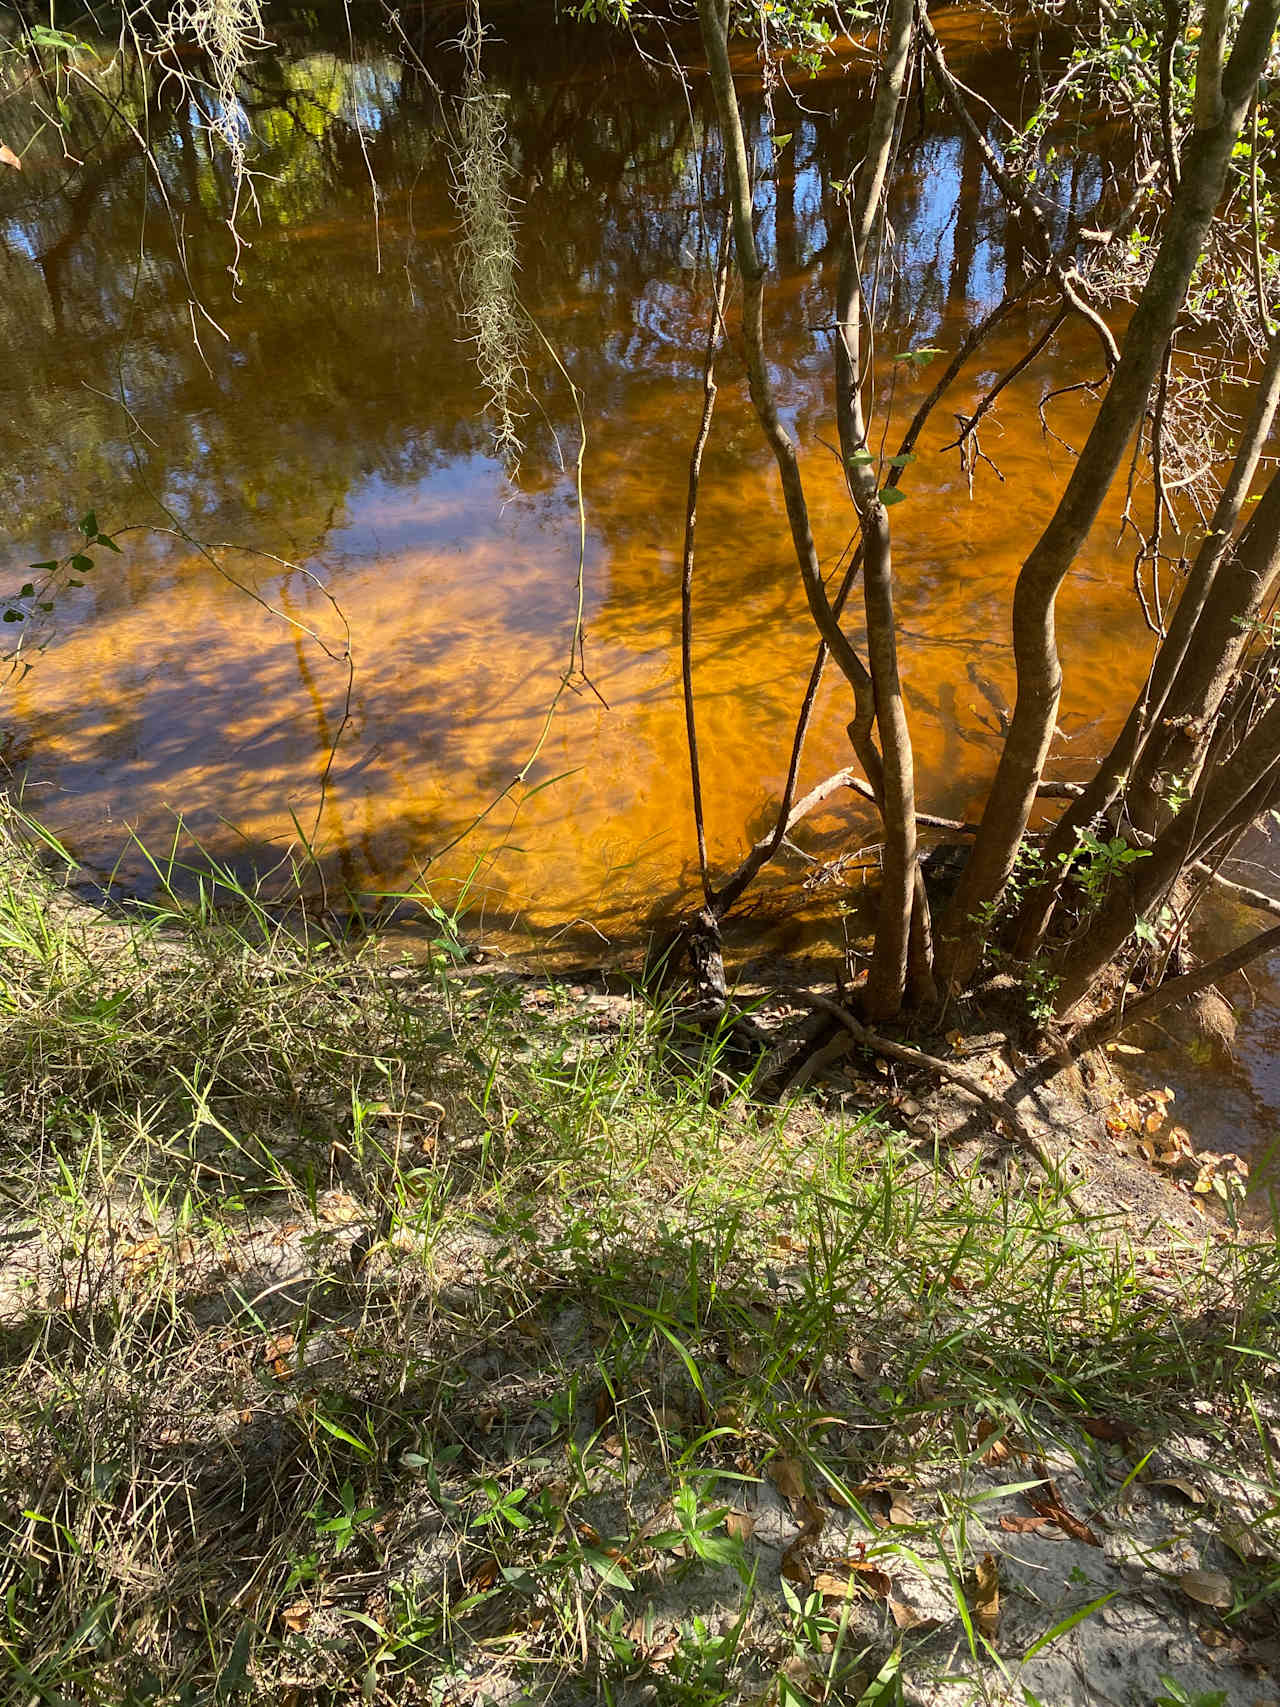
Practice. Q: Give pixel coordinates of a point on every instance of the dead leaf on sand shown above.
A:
(794, 1566)
(987, 1599)
(1047, 1503)
(1178, 1485)
(906, 1617)
(1207, 1588)
(1107, 1429)
(787, 1475)
(740, 1525)
(862, 1578)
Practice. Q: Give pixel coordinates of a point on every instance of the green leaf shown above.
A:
(925, 353)
(231, 1680)
(860, 458)
(891, 495)
(608, 1570)
(782, 139)
(27, 591)
(81, 564)
(42, 565)
(1068, 1623)
(14, 616)
(902, 461)
(106, 539)
(88, 524)
(340, 1433)
(885, 1685)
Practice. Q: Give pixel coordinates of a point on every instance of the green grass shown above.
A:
(371, 1334)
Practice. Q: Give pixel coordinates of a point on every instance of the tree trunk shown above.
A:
(900, 896)
(1230, 796)
(1111, 776)
(1039, 671)
(1224, 632)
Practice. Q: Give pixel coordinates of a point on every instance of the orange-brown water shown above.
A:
(339, 428)
(334, 420)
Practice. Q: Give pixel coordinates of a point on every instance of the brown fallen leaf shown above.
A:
(1241, 1540)
(740, 1525)
(787, 1475)
(1207, 1588)
(987, 1599)
(296, 1617)
(1178, 1485)
(279, 1347)
(793, 1564)
(804, 1677)
(864, 1364)
(483, 1574)
(901, 1511)
(863, 1578)
(9, 158)
(1023, 1525)
(999, 1449)
(906, 1617)
(338, 1207)
(140, 1258)
(1107, 1429)
(1050, 1507)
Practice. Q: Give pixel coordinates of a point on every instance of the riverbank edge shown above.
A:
(770, 1384)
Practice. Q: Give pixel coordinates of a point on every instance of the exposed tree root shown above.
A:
(1003, 1110)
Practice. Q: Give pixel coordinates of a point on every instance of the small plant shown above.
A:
(699, 1532)
(1041, 985)
(502, 1510)
(342, 1525)
(1102, 862)
(1177, 791)
(1176, 1696)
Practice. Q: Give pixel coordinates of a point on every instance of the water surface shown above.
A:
(315, 420)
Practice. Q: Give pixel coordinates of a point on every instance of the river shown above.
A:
(290, 432)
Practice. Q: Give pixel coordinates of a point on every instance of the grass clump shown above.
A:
(372, 1334)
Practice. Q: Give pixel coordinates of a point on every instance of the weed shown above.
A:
(368, 1331)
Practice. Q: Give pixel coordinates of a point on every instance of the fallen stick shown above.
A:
(1002, 1109)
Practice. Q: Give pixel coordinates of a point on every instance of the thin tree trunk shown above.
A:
(1107, 782)
(1213, 655)
(714, 335)
(1039, 670)
(886, 980)
(1230, 796)
(712, 19)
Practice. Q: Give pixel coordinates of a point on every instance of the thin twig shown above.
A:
(715, 336)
